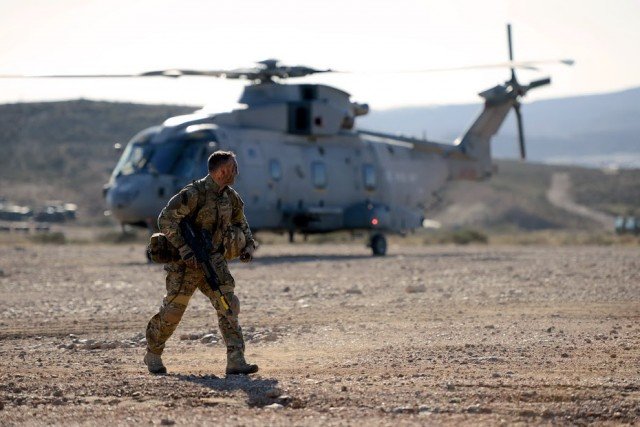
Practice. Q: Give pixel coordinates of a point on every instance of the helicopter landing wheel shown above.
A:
(378, 244)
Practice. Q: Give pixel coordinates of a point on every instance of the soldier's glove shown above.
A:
(187, 256)
(247, 253)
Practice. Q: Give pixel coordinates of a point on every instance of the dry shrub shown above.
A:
(54, 237)
(462, 236)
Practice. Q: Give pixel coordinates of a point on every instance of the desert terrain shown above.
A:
(446, 335)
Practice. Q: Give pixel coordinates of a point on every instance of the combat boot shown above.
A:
(154, 363)
(236, 363)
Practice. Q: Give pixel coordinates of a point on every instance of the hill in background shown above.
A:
(515, 198)
(64, 150)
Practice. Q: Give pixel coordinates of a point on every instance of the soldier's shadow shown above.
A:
(259, 391)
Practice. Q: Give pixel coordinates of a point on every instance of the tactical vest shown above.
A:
(213, 214)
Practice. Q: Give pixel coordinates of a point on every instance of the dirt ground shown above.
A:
(478, 335)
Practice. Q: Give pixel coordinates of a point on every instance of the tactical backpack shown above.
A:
(160, 250)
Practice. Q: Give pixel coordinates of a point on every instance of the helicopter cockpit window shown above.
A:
(192, 161)
(369, 177)
(183, 156)
(165, 156)
(275, 170)
(136, 155)
(133, 159)
(319, 174)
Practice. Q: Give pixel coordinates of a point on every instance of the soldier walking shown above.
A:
(212, 205)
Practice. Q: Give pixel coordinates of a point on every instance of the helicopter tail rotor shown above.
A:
(518, 90)
(537, 83)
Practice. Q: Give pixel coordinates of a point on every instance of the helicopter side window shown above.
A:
(369, 176)
(319, 174)
(275, 169)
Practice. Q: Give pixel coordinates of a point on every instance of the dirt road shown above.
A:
(559, 195)
(426, 335)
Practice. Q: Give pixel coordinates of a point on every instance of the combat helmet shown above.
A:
(234, 242)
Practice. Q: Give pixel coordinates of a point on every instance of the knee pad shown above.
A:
(173, 313)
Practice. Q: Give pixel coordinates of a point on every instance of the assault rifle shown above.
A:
(202, 247)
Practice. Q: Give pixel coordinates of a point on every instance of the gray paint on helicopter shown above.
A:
(304, 165)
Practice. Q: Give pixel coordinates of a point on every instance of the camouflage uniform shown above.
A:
(216, 209)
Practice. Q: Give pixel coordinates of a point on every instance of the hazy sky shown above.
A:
(364, 36)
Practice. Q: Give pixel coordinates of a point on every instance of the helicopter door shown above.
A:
(253, 184)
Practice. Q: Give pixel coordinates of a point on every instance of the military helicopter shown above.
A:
(305, 166)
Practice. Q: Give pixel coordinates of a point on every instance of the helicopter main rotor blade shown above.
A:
(174, 73)
(527, 65)
(162, 73)
(281, 72)
(523, 153)
(63, 76)
(255, 74)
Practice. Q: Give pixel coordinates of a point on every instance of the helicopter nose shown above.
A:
(133, 198)
(121, 196)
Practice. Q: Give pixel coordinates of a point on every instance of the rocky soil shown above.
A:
(431, 335)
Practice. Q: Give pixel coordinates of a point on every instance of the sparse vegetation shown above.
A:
(55, 237)
(564, 238)
(463, 236)
(117, 237)
(616, 192)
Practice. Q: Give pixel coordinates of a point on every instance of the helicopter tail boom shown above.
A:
(476, 142)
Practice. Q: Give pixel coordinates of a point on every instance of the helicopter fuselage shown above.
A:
(288, 182)
(303, 165)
